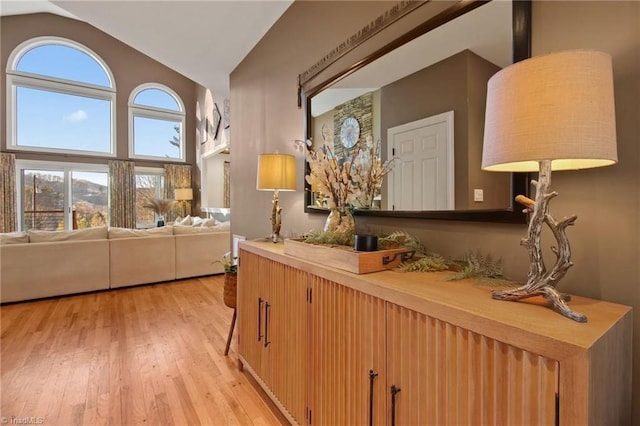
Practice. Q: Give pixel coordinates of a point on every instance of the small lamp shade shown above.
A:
(276, 172)
(557, 107)
(183, 194)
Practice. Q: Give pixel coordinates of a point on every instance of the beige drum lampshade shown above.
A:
(183, 194)
(557, 107)
(276, 172)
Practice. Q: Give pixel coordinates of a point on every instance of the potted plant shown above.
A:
(230, 265)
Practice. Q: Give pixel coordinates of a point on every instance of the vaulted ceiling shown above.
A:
(203, 40)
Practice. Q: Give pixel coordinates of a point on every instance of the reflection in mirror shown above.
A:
(424, 102)
(215, 197)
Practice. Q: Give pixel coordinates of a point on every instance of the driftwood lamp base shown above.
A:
(540, 281)
(276, 218)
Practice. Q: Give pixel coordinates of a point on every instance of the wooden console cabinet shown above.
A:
(391, 348)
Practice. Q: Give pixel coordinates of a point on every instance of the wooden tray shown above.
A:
(346, 258)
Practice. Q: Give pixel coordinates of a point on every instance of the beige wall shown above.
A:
(606, 238)
(129, 67)
(457, 84)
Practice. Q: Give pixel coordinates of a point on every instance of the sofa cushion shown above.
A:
(97, 233)
(14, 238)
(115, 233)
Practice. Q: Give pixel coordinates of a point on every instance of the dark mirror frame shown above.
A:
(521, 23)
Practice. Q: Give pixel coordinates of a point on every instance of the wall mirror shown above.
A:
(423, 98)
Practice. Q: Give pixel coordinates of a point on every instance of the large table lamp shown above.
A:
(182, 195)
(276, 172)
(551, 112)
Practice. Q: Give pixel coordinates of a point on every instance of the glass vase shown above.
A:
(340, 221)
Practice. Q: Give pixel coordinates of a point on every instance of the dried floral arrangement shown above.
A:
(350, 181)
(159, 206)
(370, 173)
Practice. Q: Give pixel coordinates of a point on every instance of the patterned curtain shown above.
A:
(122, 193)
(7, 192)
(175, 177)
(227, 185)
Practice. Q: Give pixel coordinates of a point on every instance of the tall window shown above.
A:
(56, 196)
(61, 98)
(149, 184)
(156, 124)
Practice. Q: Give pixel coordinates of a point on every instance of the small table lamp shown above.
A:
(276, 172)
(183, 195)
(552, 112)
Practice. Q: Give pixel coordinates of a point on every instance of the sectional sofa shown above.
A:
(39, 264)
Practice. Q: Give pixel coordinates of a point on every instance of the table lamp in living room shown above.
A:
(182, 195)
(276, 172)
(552, 112)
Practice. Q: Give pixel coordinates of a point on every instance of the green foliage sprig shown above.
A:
(403, 239)
(328, 237)
(429, 263)
(477, 265)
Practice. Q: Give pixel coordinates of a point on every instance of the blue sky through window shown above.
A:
(47, 117)
(156, 98)
(63, 121)
(152, 136)
(54, 60)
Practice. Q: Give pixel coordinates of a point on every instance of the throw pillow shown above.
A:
(185, 221)
(208, 222)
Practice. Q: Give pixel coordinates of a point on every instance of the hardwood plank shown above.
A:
(140, 355)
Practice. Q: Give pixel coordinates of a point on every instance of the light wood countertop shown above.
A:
(467, 303)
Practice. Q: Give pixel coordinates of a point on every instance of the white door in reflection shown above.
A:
(423, 174)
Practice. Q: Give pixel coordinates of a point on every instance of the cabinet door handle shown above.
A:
(267, 307)
(394, 392)
(260, 318)
(372, 376)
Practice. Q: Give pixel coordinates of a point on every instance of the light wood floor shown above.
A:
(142, 355)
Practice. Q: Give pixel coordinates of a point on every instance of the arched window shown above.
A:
(156, 123)
(61, 98)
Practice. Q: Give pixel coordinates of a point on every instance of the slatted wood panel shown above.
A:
(451, 376)
(348, 340)
(282, 363)
(249, 290)
(287, 332)
(141, 355)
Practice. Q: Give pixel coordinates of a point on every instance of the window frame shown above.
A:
(55, 166)
(145, 111)
(153, 171)
(17, 79)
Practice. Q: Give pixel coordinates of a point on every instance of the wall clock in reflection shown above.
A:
(349, 132)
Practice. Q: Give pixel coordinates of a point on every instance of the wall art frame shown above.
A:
(217, 118)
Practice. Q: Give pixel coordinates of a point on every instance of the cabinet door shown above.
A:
(347, 343)
(272, 323)
(286, 336)
(250, 300)
(449, 375)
